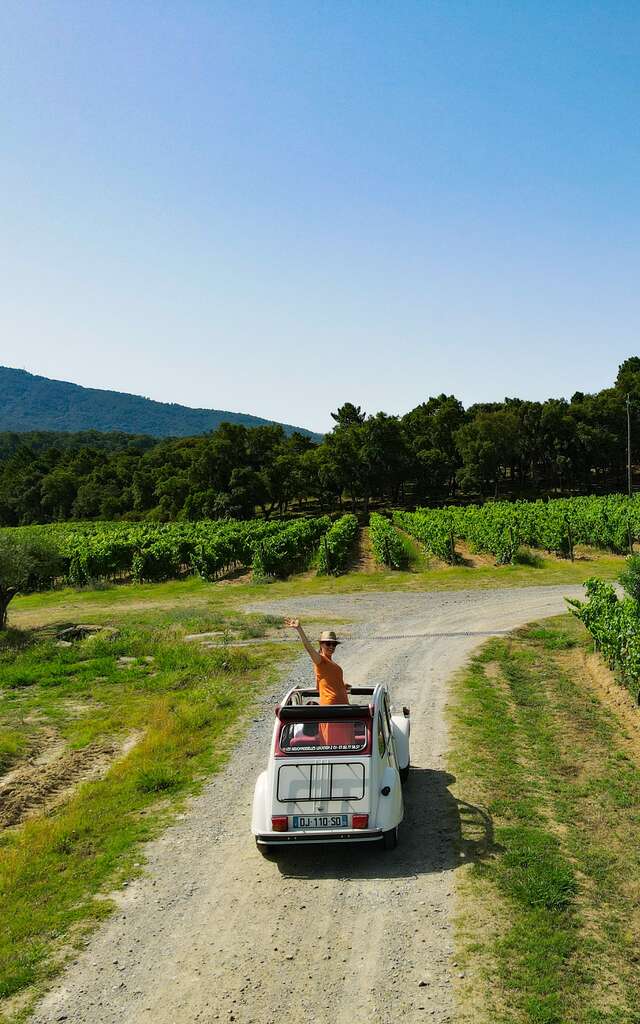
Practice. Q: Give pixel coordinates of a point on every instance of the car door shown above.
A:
(391, 757)
(390, 806)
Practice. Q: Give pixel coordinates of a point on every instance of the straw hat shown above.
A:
(329, 637)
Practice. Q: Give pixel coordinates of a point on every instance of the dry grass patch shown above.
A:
(477, 1000)
(596, 675)
(473, 559)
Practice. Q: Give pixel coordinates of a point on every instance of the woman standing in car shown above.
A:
(332, 688)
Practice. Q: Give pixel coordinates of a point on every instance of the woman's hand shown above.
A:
(311, 651)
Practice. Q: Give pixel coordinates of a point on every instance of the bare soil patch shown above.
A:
(473, 559)
(235, 577)
(363, 560)
(51, 772)
(584, 553)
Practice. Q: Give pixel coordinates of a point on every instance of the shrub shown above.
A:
(524, 556)
(630, 577)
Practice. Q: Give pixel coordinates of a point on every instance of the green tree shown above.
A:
(382, 457)
(349, 415)
(26, 563)
(88, 500)
(488, 445)
(628, 379)
(433, 458)
(58, 492)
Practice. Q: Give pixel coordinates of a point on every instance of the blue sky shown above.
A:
(278, 207)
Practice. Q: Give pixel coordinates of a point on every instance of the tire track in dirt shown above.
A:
(50, 776)
(344, 935)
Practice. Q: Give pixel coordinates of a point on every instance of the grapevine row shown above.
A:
(432, 528)
(388, 548)
(290, 549)
(336, 546)
(614, 624)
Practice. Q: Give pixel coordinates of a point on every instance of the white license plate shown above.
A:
(321, 821)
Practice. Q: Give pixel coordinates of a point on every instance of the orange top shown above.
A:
(331, 688)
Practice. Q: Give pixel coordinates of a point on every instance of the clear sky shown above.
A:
(276, 207)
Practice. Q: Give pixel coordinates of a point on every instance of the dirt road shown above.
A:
(344, 935)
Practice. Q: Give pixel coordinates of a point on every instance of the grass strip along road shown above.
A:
(549, 919)
(139, 718)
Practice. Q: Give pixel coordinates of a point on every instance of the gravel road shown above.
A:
(346, 935)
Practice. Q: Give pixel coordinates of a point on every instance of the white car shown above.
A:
(335, 772)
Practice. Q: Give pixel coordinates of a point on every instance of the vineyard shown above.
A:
(153, 552)
(156, 552)
(502, 528)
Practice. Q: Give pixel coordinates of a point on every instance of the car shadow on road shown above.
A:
(439, 833)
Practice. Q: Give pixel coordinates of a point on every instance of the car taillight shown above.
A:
(360, 821)
(280, 823)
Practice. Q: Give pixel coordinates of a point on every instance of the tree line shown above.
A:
(437, 452)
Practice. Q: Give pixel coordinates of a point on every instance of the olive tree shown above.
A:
(26, 563)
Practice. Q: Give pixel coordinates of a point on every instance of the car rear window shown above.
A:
(320, 737)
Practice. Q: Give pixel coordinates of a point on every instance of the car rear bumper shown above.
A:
(325, 836)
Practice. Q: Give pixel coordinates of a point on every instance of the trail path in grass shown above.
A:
(346, 935)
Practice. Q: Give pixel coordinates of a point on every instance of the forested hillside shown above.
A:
(29, 402)
(436, 452)
(42, 440)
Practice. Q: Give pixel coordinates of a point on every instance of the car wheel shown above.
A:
(390, 838)
(268, 852)
(404, 773)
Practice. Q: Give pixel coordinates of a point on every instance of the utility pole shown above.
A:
(629, 445)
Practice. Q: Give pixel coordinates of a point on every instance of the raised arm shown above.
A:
(310, 649)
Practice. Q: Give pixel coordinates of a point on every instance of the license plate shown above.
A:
(321, 821)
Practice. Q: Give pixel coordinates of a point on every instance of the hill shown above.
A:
(29, 402)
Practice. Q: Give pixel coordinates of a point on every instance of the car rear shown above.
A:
(320, 788)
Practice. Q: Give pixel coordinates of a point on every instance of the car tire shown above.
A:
(404, 773)
(268, 852)
(390, 838)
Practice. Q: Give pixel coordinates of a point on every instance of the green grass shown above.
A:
(559, 892)
(524, 556)
(416, 558)
(12, 745)
(180, 703)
